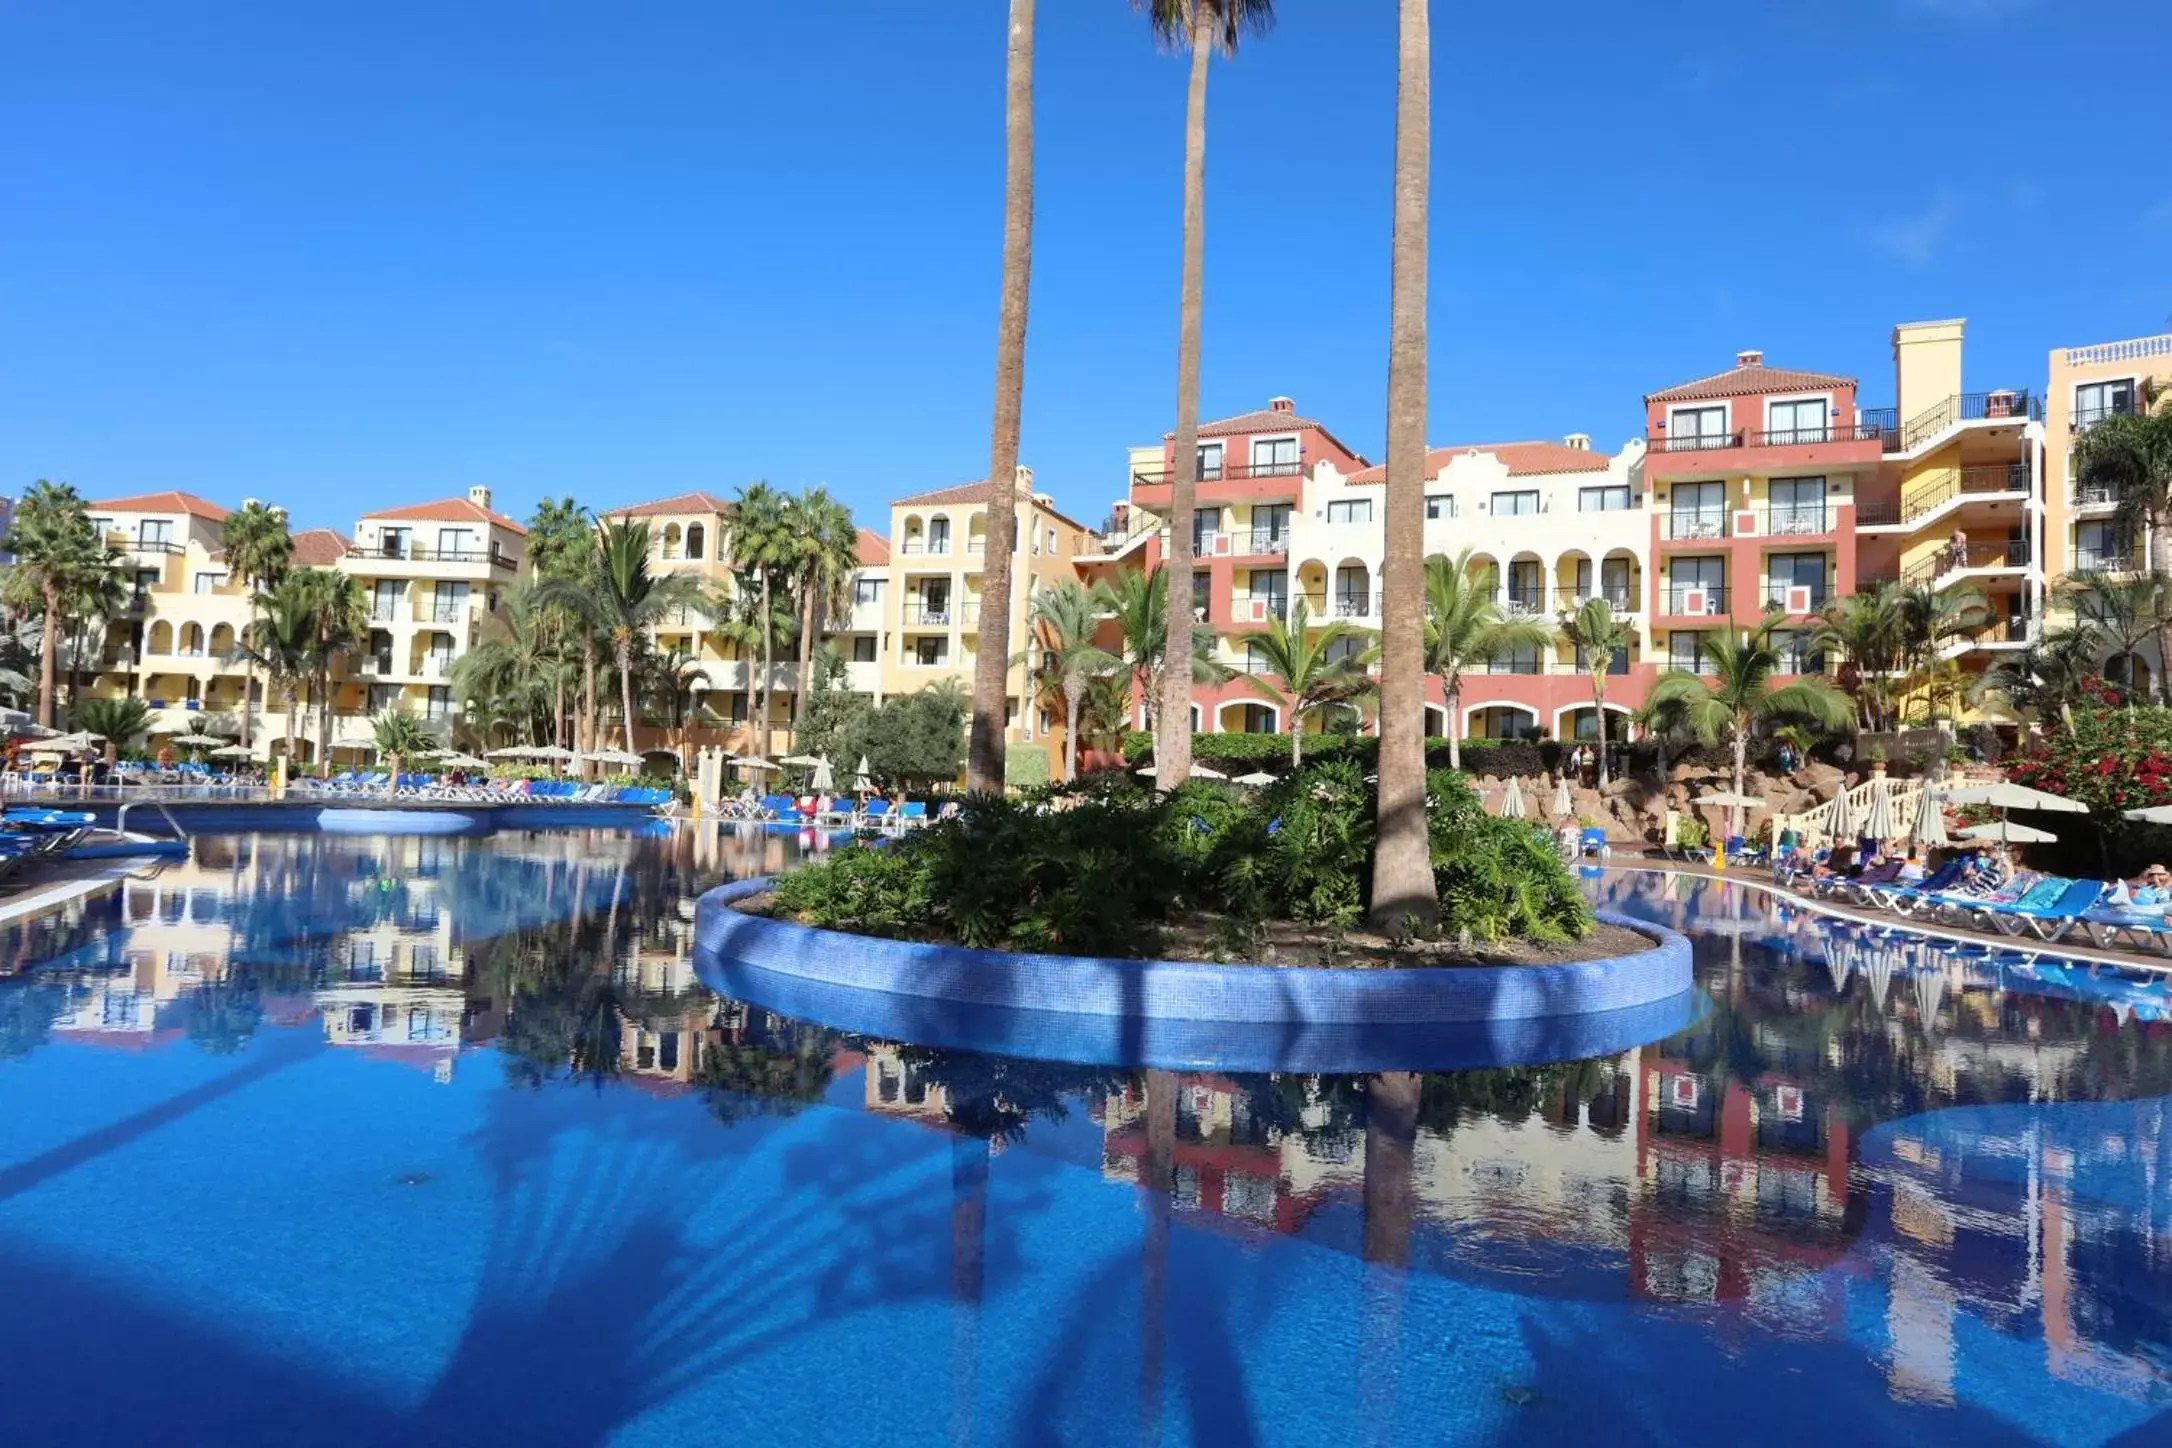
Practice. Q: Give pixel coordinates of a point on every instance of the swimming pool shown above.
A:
(352, 1140)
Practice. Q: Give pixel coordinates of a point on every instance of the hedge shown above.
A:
(1025, 766)
(1500, 757)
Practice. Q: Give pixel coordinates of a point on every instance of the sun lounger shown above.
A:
(1902, 898)
(2145, 927)
(915, 812)
(2049, 909)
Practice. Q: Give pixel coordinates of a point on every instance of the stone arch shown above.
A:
(192, 639)
(938, 533)
(1248, 715)
(674, 540)
(222, 640)
(1499, 719)
(160, 638)
(1571, 721)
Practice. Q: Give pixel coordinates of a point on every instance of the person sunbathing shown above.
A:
(2153, 887)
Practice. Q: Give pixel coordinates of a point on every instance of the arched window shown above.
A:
(671, 540)
(697, 537)
(192, 639)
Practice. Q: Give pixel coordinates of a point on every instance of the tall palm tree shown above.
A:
(98, 590)
(1596, 632)
(761, 552)
(281, 641)
(825, 544)
(560, 546)
(1403, 888)
(518, 672)
(1464, 628)
(339, 619)
(624, 601)
(1310, 670)
(1062, 653)
(259, 550)
(399, 736)
(1866, 630)
(2119, 611)
(991, 670)
(2129, 455)
(1930, 618)
(1199, 26)
(118, 720)
(1139, 604)
(53, 542)
(1737, 694)
(2046, 676)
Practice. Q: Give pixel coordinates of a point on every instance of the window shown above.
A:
(392, 542)
(1699, 511)
(1788, 571)
(386, 599)
(1614, 582)
(863, 648)
(1205, 521)
(2101, 546)
(207, 582)
(1051, 542)
(1798, 654)
(1797, 506)
(2093, 401)
(1612, 498)
(1687, 576)
(939, 535)
(439, 704)
(1356, 510)
(1800, 421)
(1439, 506)
(1274, 456)
(1523, 659)
(1202, 585)
(457, 544)
(928, 653)
(1347, 649)
(697, 538)
(1210, 462)
(1271, 528)
(1617, 662)
(1516, 504)
(1273, 585)
(1685, 650)
(448, 603)
(1353, 592)
(383, 697)
(866, 591)
(154, 530)
(1692, 428)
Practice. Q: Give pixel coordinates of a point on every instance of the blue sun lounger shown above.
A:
(2050, 909)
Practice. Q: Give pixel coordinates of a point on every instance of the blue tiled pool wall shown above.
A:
(1192, 991)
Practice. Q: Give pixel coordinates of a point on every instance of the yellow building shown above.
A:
(186, 614)
(937, 550)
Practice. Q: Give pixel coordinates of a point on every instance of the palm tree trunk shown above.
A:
(2160, 567)
(1173, 722)
(761, 717)
(985, 745)
(1403, 889)
(248, 694)
(624, 647)
(48, 655)
(1598, 710)
(1071, 691)
(324, 717)
(1742, 753)
(293, 724)
(1297, 736)
(807, 635)
(558, 709)
(586, 733)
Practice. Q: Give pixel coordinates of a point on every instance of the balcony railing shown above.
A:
(968, 614)
(1692, 663)
(2008, 404)
(131, 543)
(1159, 477)
(1621, 600)
(919, 614)
(1776, 596)
(2102, 560)
(2084, 417)
(1510, 666)
(1357, 605)
(1989, 553)
(384, 613)
(1697, 523)
(2094, 495)
(1678, 597)
(1795, 520)
(1264, 544)
(1521, 598)
(1616, 667)
(1766, 437)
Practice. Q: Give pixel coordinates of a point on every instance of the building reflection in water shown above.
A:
(1963, 1136)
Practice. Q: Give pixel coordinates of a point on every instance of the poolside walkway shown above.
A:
(2072, 947)
(62, 881)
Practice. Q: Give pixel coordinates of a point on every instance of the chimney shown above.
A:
(1281, 404)
(1751, 358)
(1581, 441)
(1024, 481)
(480, 497)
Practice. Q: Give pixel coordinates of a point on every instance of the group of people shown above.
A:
(1986, 872)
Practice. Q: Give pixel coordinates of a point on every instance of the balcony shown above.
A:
(1937, 489)
(1660, 442)
(920, 613)
(2102, 560)
(1617, 667)
(1162, 477)
(384, 613)
(1620, 599)
(1696, 525)
(1357, 605)
(2093, 495)
(1521, 600)
(1678, 599)
(1232, 482)
(1530, 666)
(969, 614)
(1810, 595)
(1261, 543)
(2088, 417)
(1990, 553)
(2005, 405)
(131, 543)
(1796, 520)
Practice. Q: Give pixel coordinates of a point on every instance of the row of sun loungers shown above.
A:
(366, 786)
(876, 814)
(28, 836)
(2045, 907)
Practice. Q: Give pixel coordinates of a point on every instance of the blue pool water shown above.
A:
(339, 1140)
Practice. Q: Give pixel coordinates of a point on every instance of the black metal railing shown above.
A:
(1679, 596)
(1263, 543)
(928, 615)
(1796, 520)
(2091, 416)
(1616, 666)
(1989, 553)
(2005, 404)
(1522, 597)
(1694, 523)
(1357, 605)
(1224, 473)
(134, 544)
(1511, 666)
(1828, 432)
(2094, 495)
(1776, 596)
(2102, 560)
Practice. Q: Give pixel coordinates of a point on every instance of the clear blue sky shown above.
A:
(349, 253)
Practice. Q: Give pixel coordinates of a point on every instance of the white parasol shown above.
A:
(2007, 832)
(1929, 830)
(1512, 800)
(1878, 819)
(825, 778)
(1256, 778)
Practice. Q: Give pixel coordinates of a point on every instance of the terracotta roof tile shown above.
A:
(320, 548)
(694, 502)
(1267, 419)
(1747, 381)
(1523, 460)
(166, 502)
(874, 550)
(450, 510)
(963, 493)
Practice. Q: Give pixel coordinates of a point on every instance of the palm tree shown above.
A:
(1403, 889)
(98, 590)
(281, 642)
(2119, 612)
(53, 541)
(1866, 630)
(2129, 457)
(518, 672)
(826, 547)
(118, 720)
(1199, 26)
(399, 736)
(1464, 628)
(624, 601)
(761, 549)
(1929, 619)
(1139, 602)
(1062, 654)
(560, 546)
(259, 550)
(1598, 635)
(2046, 676)
(1312, 670)
(991, 670)
(339, 618)
(1736, 694)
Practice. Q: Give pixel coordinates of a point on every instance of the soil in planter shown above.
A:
(1207, 937)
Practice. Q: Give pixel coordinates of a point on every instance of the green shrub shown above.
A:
(1025, 766)
(1098, 868)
